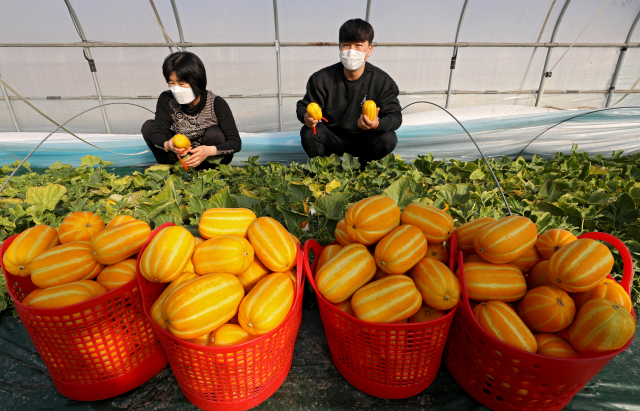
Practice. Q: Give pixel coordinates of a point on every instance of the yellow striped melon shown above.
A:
(327, 254)
(64, 264)
(190, 268)
(426, 313)
(293, 276)
(167, 254)
(552, 345)
(220, 222)
(600, 326)
(267, 304)
(527, 261)
(158, 305)
(370, 219)
(256, 272)
(538, 277)
(401, 249)
(501, 321)
(67, 294)
(547, 309)
(27, 246)
(436, 224)
(79, 227)
(580, 265)
(341, 235)
(202, 340)
(117, 275)
(345, 307)
(438, 252)
(349, 270)
(202, 305)
(228, 335)
(552, 240)
(228, 254)
(438, 286)
(506, 239)
(465, 233)
(273, 244)
(392, 299)
(115, 244)
(118, 220)
(497, 282)
(608, 289)
(30, 296)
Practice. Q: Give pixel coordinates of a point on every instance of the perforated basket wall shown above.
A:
(505, 378)
(229, 378)
(93, 350)
(384, 360)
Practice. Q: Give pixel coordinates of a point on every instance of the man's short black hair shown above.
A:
(189, 68)
(355, 30)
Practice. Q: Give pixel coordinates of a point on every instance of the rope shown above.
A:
(629, 92)
(160, 25)
(59, 127)
(576, 40)
(571, 118)
(62, 126)
(8, 152)
(474, 142)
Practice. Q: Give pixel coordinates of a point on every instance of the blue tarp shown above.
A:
(596, 133)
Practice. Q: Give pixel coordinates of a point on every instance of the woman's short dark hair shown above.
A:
(188, 68)
(355, 30)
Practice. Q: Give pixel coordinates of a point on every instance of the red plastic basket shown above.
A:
(502, 377)
(93, 350)
(229, 378)
(384, 360)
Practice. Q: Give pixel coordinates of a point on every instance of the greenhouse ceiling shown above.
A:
(66, 56)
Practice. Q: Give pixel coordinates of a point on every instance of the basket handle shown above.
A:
(317, 249)
(627, 271)
(463, 284)
(299, 269)
(452, 247)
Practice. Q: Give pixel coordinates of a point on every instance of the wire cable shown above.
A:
(506, 203)
(61, 126)
(571, 118)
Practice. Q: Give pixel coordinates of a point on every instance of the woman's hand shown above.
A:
(366, 124)
(200, 154)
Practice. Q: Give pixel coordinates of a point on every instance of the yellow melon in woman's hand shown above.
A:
(180, 141)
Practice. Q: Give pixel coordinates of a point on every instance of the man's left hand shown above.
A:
(200, 154)
(366, 124)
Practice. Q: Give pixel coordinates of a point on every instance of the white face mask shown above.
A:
(351, 59)
(183, 95)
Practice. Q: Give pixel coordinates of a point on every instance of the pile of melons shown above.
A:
(234, 284)
(549, 295)
(63, 263)
(390, 266)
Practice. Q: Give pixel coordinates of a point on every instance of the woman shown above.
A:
(188, 108)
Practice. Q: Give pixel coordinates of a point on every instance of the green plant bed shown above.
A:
(572, 191)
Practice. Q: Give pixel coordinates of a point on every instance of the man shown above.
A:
(340, 90)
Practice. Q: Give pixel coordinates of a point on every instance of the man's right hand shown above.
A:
(309, 122)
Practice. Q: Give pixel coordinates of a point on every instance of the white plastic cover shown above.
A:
(247, 76)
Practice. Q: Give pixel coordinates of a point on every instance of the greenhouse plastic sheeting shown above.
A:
(247, 76)
(312, 384)
(596, 133)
